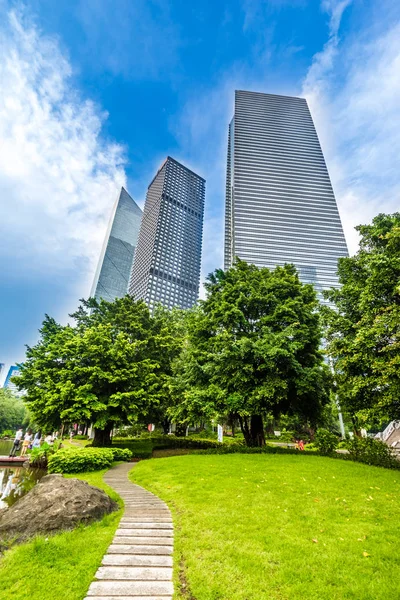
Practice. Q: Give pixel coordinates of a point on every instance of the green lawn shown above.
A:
(62, 566)
(280, 527)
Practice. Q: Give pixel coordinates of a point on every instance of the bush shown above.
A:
(121, 453)
(372, 452)
(325, 441)
(80, 437)
(7, 433)
(71, 460)
(39, 457)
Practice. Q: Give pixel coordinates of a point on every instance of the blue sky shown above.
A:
(95, 94)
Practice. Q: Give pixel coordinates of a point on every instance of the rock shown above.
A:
(54, 504)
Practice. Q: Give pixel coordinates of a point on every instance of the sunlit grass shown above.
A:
(62, 566)
(280, 527)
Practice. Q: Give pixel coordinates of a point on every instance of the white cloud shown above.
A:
(58, 177)
(352, 88)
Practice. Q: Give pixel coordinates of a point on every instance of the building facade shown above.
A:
(112, 275)
(280, 206)
(166, 268)
(12, 371)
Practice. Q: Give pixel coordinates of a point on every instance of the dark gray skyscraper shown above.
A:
(112, 275)
(166, 268)
(280, 205)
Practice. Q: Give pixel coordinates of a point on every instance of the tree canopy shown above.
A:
(109, 367)
(12, 411)
(363, 328)
(253, 348)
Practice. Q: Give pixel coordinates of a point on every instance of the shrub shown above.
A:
(325, 441)
(80, 437)
(121, 453)
(372, 452)
(7, 433)
(71, 460)
(39, 457)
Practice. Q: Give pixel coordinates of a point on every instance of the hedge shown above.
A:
(71, 460)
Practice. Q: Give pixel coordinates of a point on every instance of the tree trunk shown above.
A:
(102, 437)
(165, 425)
(257, 430)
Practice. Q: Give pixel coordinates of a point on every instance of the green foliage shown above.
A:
(7, 433)
(121, 453)
(372, 452)
(325, 441)
(39, 457)
(253, 349)
(80, 437)
(78, 460)
(12, 411)
(111, 367)
(363, 331)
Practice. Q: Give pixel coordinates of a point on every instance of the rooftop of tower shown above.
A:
(169, 158)
(272, 95)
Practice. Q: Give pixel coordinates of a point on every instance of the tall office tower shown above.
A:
(280, 205)
(166, 268)
(13, 370)
(112, 275)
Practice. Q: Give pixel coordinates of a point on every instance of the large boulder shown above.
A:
(54, 504)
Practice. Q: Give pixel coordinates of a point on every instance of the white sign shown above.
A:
(220, 434)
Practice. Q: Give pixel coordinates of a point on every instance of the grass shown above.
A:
(61, 566)
(280, 527)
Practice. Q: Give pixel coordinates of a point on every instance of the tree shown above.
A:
(104, 369)
(253, 349)
(363, 328)
(12, 411)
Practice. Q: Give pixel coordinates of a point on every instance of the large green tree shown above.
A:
(253, 349)
(12, 410)
(363, 328)
(106, 369)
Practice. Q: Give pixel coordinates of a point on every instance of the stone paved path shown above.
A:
(138, 563)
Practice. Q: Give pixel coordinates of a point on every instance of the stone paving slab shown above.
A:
(128, 597)
(130, 588)
(144, 532)
(137, 560)
(135, 573)
(145, 524)
(139, 549)
(138, 563)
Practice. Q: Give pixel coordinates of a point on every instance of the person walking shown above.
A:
(36, 440)
(17, 441)
(26, 442)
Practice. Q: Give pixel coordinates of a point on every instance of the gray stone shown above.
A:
(144, 532)
(133, 549)
(154, 541)
(136, 560)
(54, 504)
(134, 573)
(130, 588)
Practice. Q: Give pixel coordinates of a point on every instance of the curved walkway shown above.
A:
(138, 563)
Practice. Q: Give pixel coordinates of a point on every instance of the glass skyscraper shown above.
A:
(166, 268)
(280, 205)
(112, 275)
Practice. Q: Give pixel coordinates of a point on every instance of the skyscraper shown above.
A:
(112, 275)
(166, 268)
(280, 205)
(8, 384)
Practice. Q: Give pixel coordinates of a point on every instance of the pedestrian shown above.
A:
(26, 442)
(49, 439)
(17, 441)
(301, 445)
(37, 439)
